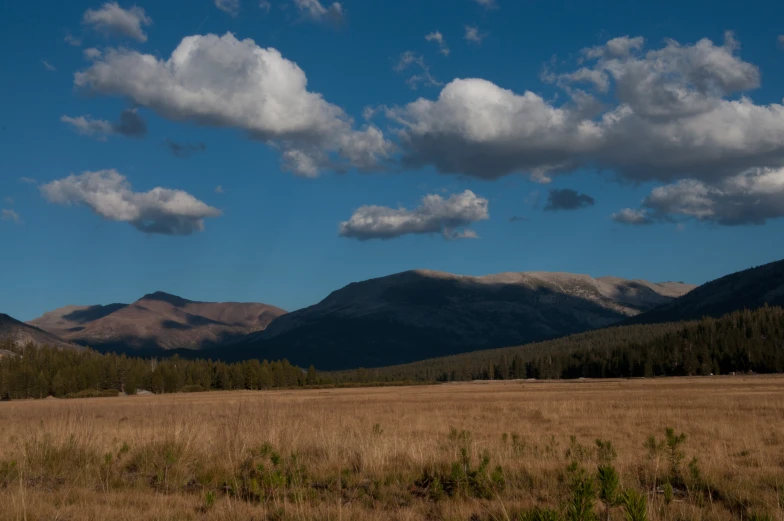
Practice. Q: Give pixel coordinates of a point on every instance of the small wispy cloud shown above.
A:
(219, 189)
(487, 4)
(91, 53)
(631, 217)
(567, 199)
(48, 66)
(7, 214)
(437, 37)
(230, 7)
(130, 124)
(265, 5)
(72, 40)
(184, 149)
(28, 180)
(314, 11)
(472, 35)
(412, 59)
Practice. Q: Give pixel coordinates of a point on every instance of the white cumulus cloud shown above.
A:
(751, 197)
(112, 20)
(678, 115)
(109, 194)
(434, 215)
(224, 82)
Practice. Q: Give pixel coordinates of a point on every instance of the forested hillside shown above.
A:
(742, 341)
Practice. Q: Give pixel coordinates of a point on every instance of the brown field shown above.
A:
(362, 453)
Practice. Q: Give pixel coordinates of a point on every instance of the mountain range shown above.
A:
(400, 318)
(388, 320)
(157, 322)
(422, 314)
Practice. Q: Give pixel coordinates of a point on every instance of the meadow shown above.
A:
(512, 450)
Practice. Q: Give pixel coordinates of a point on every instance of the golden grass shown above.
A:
(363, 450)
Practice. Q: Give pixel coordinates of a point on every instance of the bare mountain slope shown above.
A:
(421, 314)
(159, 321)
(69, 320)
(22, 333)
(748, 289)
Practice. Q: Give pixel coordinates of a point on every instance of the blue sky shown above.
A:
(696, 158)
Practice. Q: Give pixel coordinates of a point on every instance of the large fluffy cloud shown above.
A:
(434, 215)
(479, 129)
(225, 82)
(109, 194)
(676, 114)
(111, 19)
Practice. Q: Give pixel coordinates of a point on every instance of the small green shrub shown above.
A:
(576, 451)
(582, 498)
(669, 494)
(635, 506)
(209, 500)
(608, 487)
(605, 452)
(265, 473)
(675, 455)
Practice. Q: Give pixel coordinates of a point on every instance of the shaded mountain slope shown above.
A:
(748, 289)
(422, 314)
(69, 320)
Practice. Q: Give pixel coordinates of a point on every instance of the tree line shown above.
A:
(30, 371)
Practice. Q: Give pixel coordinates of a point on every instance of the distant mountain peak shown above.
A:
(162, 296)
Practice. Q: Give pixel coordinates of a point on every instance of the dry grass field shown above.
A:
(373, 454)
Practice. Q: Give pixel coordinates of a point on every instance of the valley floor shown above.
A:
(402, 453)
